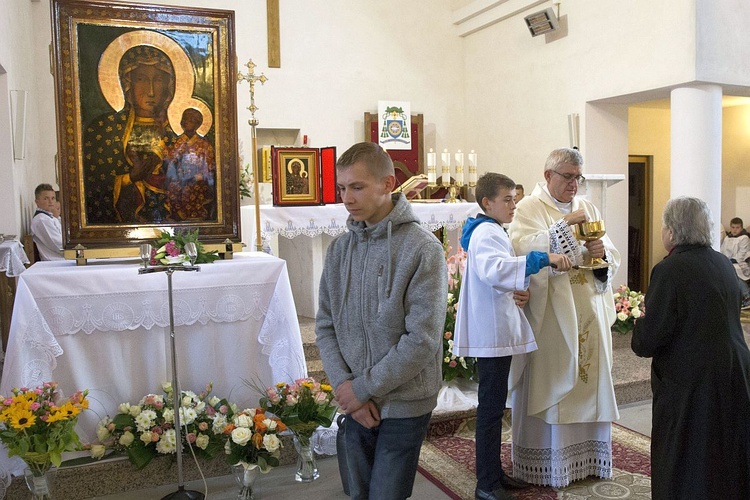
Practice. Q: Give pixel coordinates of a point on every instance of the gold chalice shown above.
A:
(590, 231)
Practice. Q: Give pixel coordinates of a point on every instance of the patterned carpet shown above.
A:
(447, 459)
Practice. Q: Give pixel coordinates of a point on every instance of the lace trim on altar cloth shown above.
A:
(558, 468)
(313, 227)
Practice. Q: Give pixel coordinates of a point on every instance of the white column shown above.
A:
(696, 146)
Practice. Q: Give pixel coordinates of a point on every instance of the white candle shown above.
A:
(445, 157)
(459, 159)
(472, 167)
(459, 167)
(431, 158)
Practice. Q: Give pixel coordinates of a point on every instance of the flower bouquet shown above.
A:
(302, 407)
(629, 306)
(253, 439)
(38, 427)
(253, 446)
(146, 429)
(246, 181)
(170, 249)
(454, 366)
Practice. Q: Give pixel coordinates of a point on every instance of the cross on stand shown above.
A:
(251, 78)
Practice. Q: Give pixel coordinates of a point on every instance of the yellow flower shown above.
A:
(281, 385)
(309, 385)
(326, 387)
(22, 419)
(64, 412)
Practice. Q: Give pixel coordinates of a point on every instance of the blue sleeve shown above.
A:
(535, 261)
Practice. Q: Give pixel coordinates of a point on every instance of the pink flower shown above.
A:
(191, 437)
(35, 406)
(171, 249)
(452, 364)
(448, 335)
(223, 409)
(203, 426)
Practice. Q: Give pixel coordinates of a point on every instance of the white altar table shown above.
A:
(105, 328)
(320, 224)
(12, 264)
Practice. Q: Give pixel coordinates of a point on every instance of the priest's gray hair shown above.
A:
(690, 221)
(375, 158)
(563, 155)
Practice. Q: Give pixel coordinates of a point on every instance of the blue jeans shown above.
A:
(493, 391)
(383, 460)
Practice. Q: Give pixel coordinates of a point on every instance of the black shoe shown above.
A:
(498, 494)
(511, 483)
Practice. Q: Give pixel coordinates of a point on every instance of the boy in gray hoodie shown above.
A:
(379, 325)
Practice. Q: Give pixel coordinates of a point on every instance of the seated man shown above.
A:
(736, 246)
(45, 227)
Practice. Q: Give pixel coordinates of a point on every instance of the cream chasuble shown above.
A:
(568, 380)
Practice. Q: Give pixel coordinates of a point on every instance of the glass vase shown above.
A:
(246, 476)
(40, 482)
(307, 468)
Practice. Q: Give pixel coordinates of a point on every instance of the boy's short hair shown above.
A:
(41, 188)
(489, 184)
(376, 159)
(737, 221)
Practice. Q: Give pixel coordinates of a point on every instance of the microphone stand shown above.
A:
(181, 493)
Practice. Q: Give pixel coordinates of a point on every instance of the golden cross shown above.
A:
(251, 78)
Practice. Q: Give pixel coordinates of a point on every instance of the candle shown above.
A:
(459, 167)
(445, 157)
(431, 172)
(472, 168)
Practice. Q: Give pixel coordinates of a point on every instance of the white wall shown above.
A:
(18, 66)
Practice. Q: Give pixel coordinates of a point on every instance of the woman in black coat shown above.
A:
(700, 373)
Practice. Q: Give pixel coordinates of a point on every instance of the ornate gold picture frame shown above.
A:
(296, 176)
(146, 120)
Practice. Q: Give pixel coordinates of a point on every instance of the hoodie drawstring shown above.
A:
(388, 278)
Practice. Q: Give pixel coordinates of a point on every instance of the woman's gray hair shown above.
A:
(563, 155)
(690, 221)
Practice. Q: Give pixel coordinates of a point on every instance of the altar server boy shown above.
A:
(490, 322)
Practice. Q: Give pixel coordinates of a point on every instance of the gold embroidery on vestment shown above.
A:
(577, 277)
(584, 350)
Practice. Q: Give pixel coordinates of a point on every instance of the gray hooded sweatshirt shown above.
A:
(381, 313)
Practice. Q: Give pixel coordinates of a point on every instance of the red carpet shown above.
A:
(448, 461)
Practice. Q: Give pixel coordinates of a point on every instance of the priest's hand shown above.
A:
(368, 415)
(346, 399)
(595, 248)
(521, 297)
(575, 217)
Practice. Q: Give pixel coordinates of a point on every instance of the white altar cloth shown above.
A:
(12, 258)
(105, 328)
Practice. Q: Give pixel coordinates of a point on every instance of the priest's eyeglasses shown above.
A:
(570, 177)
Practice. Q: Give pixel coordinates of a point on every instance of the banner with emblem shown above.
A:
(394, 124)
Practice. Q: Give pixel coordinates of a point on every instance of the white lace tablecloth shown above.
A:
(12, 258)
(105, 328)
(291, 222)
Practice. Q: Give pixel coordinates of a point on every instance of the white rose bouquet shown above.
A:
(629, 306)
(253, 439)
(145, 430)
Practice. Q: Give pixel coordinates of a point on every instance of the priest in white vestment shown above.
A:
(564, 402)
